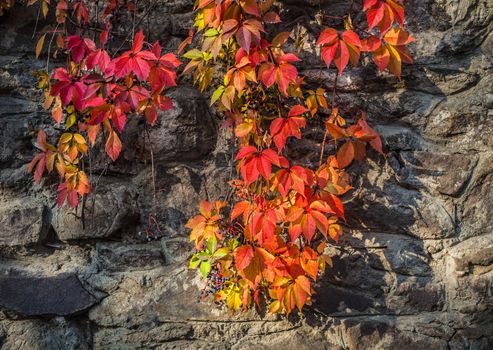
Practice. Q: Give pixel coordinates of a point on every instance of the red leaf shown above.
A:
(243, 256)
(398, 37)
(297, 110)
(341, 58)
(328, 53)
(328, 37)
(375, 14)
(245, 152)
(381, 56)
(351, 37)
(239, 208)
(244, 37)
(138, 41)
(308, 225)
(335, 204)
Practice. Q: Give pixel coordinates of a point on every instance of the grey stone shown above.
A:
(54, 334)
(119, 257)
(413, 269)
(476, 217)
(469, 278)
(23, 224)
(110, 210)
(445, 173)
(35, 296)
(177, 250)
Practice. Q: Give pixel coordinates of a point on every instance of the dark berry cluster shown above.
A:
(215, 283)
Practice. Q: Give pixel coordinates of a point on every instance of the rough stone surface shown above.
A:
(413, 271)
(110, 210)
(60, 295)
(22, 224)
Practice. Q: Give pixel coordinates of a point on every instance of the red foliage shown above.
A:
(272, 242)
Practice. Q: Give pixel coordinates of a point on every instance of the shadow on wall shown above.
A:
(381, 266)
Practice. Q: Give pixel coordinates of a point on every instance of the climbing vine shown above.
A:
(97, 90)
(266, 242)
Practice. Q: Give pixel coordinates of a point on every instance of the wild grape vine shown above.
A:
(267, 242)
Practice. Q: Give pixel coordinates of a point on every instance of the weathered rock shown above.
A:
(156, 295)
(23, 223)
(55, 334)
(470, 275)
(142, 337)
(413, 269)
(476, 218)
(375, 334)
(176, 250)
(61, 295)
(118, 257)
(412, 212)
(445, 173)
(185, 133)
(110, 210)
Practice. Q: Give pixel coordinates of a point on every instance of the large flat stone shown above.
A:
(35, 296)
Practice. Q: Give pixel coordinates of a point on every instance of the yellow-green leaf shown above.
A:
(205, 268)
(70, 121)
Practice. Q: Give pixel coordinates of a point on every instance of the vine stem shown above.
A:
(326, 131)
(149, 9)
(49, 47)
(153, 175)
(36, 24)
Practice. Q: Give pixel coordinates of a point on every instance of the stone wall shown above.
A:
(414, 272)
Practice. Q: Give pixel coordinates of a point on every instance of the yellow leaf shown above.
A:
(234, 300)
(65, 138)
(274, 306)
(39, 45)
(44, 8)
(79, 139)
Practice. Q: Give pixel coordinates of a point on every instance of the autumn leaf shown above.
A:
(135, 61)
(40, 44)
(383, 13)
(113, 146)
(345, 154)
(282, 72)
(254, 164)
(341, 51)
(243, 256)
(282, 128)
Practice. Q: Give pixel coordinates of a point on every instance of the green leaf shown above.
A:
(233, 243)
(204, 256)
(217, 94)
(194, 55)
(205, 268)
(221, 252)
(211, 32)
(194, 262)
(211, 245)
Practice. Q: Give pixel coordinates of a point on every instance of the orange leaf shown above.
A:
(113, 146)
(345, 155)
